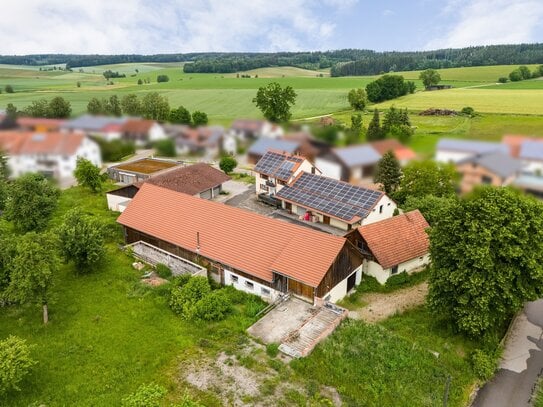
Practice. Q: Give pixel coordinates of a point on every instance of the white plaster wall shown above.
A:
(112, 135)
(306, 167)
(156, 132)
(533, 167)
(388, 211)
(339, 224)
(375, 270)
(340, 290)
(113, 202)
(328, 168)
(257, 288)
(446, 156)
(229, 144)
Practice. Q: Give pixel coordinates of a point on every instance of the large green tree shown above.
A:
(95, 106)
(355, 132)
(155, 107)
(81, 240)
(275, 102)
(59, 108)
(88, 175)
(357, 98)
(421, 178)
(37, 108)
(15, 363)
(430, 77)
(33, 270)
(430, 206)
(487, 259)
(199, 118)
(374, 128)
(181, 115)
(32, 200)
(131, 105)
(388, 172)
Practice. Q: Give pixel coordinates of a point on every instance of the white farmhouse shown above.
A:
(53, 154)
(452, 150)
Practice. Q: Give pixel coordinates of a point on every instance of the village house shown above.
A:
(454, 150)
(350, 164)
(210, 141)
(142, 132)
(263, 145)
(317, 198)
(200, 180)
(139, 170)
(251, 252)
(402, 153)
(391, 246)
(497, 169)
(104, 127)
(39, 124)
(308, 146)
(53, 154)
(251, 129)
(276, 169)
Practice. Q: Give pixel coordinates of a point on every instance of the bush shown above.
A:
(180, 281)
(163, 271)
(146, 396)
(114, 150)
(215, 306)
(502, 79)
(484, 364)
(162, 78)
(468, 111)
(183, 300)
(227, 164)
(165, 148)
(272, 349)
(9, 89)
(15, 363)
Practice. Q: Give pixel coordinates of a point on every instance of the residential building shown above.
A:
(454, 150)
(276, 169)
(402, 153)
(350, 164)
(395, 245)
(105, 127)
(53, 154)
(309, 146)
(39, 124)
(497, 169)
(139, 170)
(210, 141)
(531, 184)
(531, 155)
(336, 203)
(251, 252)
(263, 145)
(200, 180)
(142, 132)
(251, 129)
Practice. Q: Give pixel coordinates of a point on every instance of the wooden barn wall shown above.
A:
(345, 263)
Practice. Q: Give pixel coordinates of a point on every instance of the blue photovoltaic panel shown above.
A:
(277, 165)
(330, 196)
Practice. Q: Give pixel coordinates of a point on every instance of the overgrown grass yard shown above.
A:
(108, 333)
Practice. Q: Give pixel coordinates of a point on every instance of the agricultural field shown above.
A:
(226, 97)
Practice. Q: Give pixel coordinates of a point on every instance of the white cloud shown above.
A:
(142, 26)
(485, 22)
(388, 12)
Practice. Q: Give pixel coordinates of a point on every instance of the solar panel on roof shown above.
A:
(277, 165)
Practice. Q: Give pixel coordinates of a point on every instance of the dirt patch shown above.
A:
(154, 280)
(383, 305)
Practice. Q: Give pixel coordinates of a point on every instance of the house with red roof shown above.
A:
(249, 251)
(53, 154)
(142, 131)
(395, 245)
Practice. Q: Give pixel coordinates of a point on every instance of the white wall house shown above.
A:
(392, 246)
(329, 168)
(455, 150)
(52, 154)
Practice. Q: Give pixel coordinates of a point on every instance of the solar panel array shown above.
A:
(277, 165)
(330, 196)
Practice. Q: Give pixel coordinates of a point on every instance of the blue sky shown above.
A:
(167, 26)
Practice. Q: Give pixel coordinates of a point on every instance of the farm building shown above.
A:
(276, 169)
(263, 145)
(350, 164)
(336, 203)
(39, 124)
(200, 180)
(452, 150)
(141, 131)
(139, 170)
(394, 245)
(497, 169)
(251, 252)
(53, 154)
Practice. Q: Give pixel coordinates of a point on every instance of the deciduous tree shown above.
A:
(81, 240)
(275, 102)
(199, 118)
(59, 108)
(131, 105)
(430, 77)
(33, 270)
(487, 257)
(357, 99)
(32, 200)
(181, 115)
(227, 164)
(88, 175)
(15, 363)
(155, 107)
(388, 172)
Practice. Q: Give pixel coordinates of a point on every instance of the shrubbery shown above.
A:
(484, 364)
(214, 306)
(163, 271)
(15, 363)
(148, 395)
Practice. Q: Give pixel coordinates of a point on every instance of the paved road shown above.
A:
(521, 365)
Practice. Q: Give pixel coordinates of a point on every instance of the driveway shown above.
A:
(521, 365)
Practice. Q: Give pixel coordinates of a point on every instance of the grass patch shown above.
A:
(538, 402)
(374, 365)
(243, 177)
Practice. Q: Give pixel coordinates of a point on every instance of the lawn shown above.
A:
(108, 334)
(393, 363)
(539, 397)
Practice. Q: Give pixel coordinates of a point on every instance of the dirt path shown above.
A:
(381, 306)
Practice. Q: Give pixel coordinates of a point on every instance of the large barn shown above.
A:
(252, 252)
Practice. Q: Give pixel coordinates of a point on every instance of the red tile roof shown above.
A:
(190, 180)
(29, 143)
(33, 122)
(138, 126)
(400, 151)
(240, 239)
(514, 142)
(398, 239)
